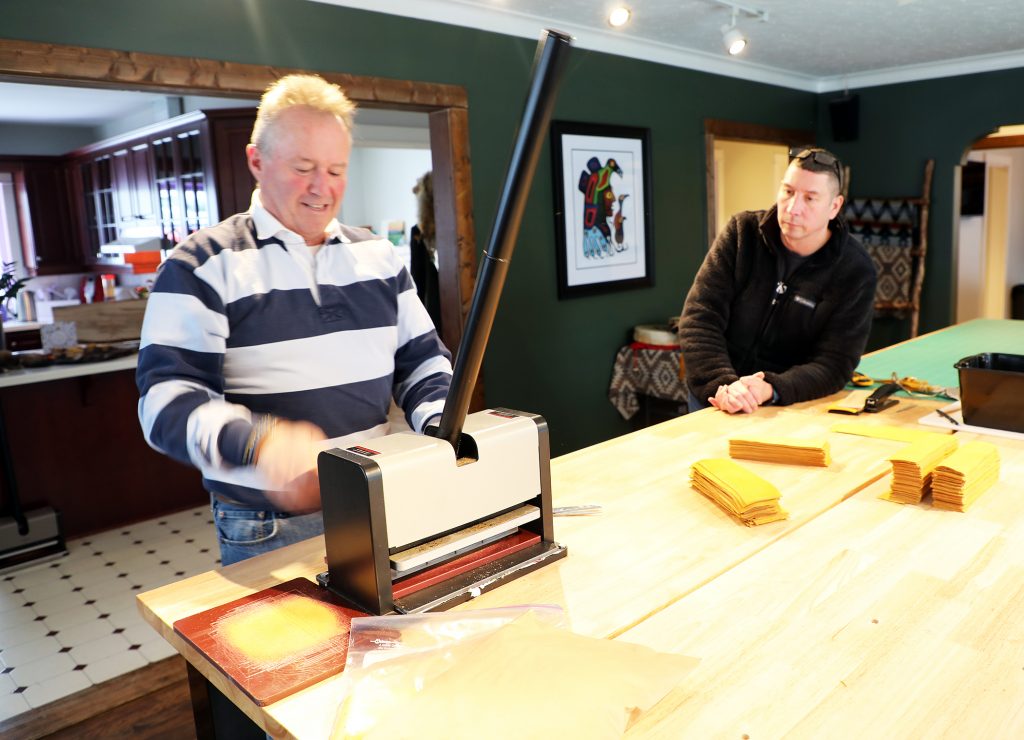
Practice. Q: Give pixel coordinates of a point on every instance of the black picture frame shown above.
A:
(604, 242)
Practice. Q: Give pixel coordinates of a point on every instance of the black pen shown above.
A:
(946, 416)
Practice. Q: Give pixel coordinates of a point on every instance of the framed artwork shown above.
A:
(602, 189)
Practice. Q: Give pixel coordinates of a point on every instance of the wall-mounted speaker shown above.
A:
(845, 114)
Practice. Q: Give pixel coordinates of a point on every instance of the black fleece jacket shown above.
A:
(805, 331)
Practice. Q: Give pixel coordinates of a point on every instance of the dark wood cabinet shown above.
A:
(230, 131)
(99, 224)
(134, 187)
(79, 449)
(166, 180)
(45, 213)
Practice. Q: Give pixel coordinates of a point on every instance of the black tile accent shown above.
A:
(97, 554)
(162, 524)
(87, 543)
(52, 633)
(78, 668)
(110, 564)
(8, 669)
(29, 603)
(65, 577)
(189, 542)
(126, 532)
(175, 531)
(205, 550)
(19, 689)
(165, 562)
(122, 575)
(102, 616)
(9, 578)
(151, 552)
(76, 589)
(118, 631)
(179, 573)
(137, 542)
(90, 602)
(136, 587)
(64, 650)
(134, 647)
(18, 591)
(39, 619)
(54, 565)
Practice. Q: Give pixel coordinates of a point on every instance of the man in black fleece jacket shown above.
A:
(781, 309)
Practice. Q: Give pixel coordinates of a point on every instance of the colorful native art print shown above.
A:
(603, 219)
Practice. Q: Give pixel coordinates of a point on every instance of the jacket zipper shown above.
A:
(780, 290)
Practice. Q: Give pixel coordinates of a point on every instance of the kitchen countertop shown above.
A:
(11, 327)
(62, 372)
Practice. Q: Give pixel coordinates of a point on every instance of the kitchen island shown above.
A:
(855, 616)
(76, 445)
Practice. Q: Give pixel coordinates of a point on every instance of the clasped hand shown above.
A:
(743, 395)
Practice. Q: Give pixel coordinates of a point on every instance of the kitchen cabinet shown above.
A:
(99, 224)
(44, 212)
(167, 180)
(76, 445)
(134, 186)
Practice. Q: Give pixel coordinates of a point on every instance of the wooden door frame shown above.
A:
(447, 106)
(738, 131)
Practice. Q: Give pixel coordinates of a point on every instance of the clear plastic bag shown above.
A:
(497, 673)
(376, 639)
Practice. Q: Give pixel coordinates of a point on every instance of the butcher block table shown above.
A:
(873, 620)
(663, 566)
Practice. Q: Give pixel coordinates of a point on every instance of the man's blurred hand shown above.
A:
(287, 457)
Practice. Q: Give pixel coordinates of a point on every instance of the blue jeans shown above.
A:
(245, 533)
(693, 403)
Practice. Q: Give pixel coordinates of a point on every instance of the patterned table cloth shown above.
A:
(648, 369)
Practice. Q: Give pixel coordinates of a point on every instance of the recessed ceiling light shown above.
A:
(619, 16)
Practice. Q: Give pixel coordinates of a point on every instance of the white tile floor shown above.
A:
(71, 623)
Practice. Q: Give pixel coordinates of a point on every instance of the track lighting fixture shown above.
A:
(733, 38)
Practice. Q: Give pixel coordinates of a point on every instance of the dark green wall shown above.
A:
(548, 356)
(902, 126)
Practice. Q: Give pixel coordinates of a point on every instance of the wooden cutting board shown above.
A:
(109, 321)
(274, 642)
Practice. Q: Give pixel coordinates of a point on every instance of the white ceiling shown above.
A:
(88, 106)
(815, 45)
(69, 106)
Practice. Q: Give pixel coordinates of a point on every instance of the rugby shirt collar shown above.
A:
(268, 227)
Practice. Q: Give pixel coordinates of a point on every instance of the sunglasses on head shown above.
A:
(820, 157)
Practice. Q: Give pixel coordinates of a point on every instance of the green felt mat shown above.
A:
(931, 357)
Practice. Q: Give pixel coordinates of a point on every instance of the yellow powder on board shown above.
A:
(279, 629)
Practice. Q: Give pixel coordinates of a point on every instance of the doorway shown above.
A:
(745, 164)
(989, 230)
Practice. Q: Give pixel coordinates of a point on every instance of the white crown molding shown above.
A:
(929, 71)
(513, 23)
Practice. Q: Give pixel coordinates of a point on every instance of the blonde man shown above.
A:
(280, 332)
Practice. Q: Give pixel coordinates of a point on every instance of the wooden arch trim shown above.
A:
(28, 61)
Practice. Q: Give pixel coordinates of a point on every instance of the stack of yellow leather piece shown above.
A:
(963, 476)
(781, 450)
(741, 494)
(913, 465)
